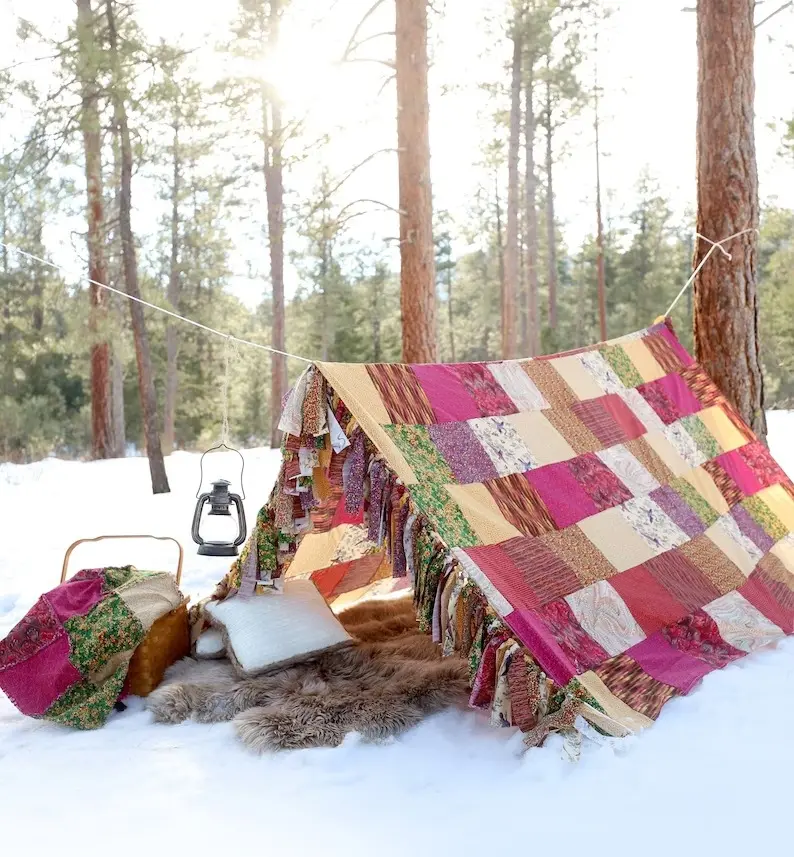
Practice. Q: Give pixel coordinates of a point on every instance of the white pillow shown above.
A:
(276, 629)
(210, 645)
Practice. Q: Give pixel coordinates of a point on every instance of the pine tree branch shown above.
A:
(352, 44)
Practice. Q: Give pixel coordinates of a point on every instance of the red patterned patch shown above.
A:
(658, 399)
(728, 488)
(609, 419)
(699, 636)
(629, 682)
(663, 352)
(487, 393)
(547, 574)
(402, 394)
(701, 386)
(580, 648)
(600, 483)
(651, 604)
(521, 504)
(682, 579)
(37, 630)
(759, 460)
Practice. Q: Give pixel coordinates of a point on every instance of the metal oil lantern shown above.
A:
(220, 501)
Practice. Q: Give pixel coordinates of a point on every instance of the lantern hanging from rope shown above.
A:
(220, 500)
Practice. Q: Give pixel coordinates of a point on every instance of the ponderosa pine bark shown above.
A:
(273, 133)
(510, 281)
(101, 419)
(143, 357)
(417, 252)
(531, 215)
(726, 299)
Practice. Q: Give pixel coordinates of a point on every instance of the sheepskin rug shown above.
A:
(391, 678)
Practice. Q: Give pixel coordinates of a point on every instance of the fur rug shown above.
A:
(387, 682)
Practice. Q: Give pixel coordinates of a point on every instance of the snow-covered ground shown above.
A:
(711, 776)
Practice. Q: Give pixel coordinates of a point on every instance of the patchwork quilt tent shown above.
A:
(594, 531)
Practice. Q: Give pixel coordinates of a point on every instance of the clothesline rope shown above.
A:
(230, 338)
(715, 245)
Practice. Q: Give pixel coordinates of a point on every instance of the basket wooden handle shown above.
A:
(143, 536)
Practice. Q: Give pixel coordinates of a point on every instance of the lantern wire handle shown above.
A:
(230, 449)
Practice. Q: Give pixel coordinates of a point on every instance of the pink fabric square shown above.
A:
(535, 635)
(342, 516)
(679, 349)
(565, 498)
(36, 683)
(623, 416)
(505, 575)
(738, 469)
(75, 597)
(772, 598)
(449, 398)
(679, 394)
(667, 664)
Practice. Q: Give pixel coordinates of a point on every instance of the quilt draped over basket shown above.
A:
(67, 659)
(596, 530)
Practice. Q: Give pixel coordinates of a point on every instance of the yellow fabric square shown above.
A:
(644, 362)
(780, 502)
(667, 452)
(577, 377)
(702, 482)
(545, 443)
(735, 552)
(480, 510)
(355, 387)
(614, 707)
(612, 534)
(784, 551)
(725, 432)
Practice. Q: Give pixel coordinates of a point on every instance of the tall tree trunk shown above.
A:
(274, 191)
(172, 294)
(142, 352)
(551, 230)
(451, 314)
(531, 216)
(119, 434)
(500, 247)
(417, 253)
(726, 300)
(600, 269)
(510, 282)
(375, 309)
(101, 422)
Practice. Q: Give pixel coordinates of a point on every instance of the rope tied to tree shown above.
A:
(168, 312)
(715, 245)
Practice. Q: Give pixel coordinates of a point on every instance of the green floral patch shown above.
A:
(115, 578)
(765, 517)
(107, 629)
(695, 500)
(704, 439)
(620, 361)
(420, 452)
(86, 705)
(444, 515)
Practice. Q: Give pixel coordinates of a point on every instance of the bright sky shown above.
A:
(647, 70)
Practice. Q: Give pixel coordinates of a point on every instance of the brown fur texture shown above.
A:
(386, 683)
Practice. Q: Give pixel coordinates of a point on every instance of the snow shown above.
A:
(709, 777)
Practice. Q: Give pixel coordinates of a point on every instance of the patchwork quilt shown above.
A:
(67, 659)
(624, 527)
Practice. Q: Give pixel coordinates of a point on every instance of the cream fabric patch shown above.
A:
(152, 597)
(741, 624)
(703, 483)
(614, 707)
(780, 502)
(725, 432)
(605, 617)
(577, 377)
(659, 443)
(484, 516)
(644, 362)
(612, 534)
(541, 438)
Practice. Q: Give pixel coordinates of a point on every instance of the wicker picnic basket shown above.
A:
(168, 639)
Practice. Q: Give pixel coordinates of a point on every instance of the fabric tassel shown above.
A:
(563, 718)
